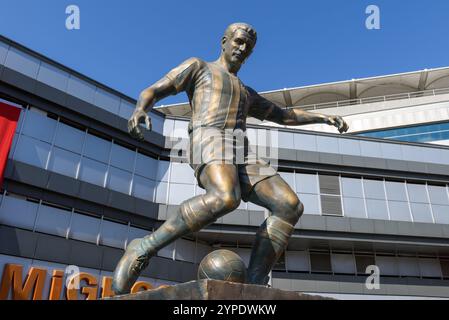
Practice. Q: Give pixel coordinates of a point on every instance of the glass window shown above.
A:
(438, 195)
(429, 267)
(310, 202)
(84, 228)
(53, 220)
(53, 76)
(157, 123)
(413, 153)
(399, 211)
(21, 117)
(297, 260)
(421, 212)
(441, 213)
(285, 140)
(306, 183)
(92, 171)
(81, 89)
(242, 205)
(320, 262)
(146, 166)
(167, 251)
(289, 178)
(13, 145)
(370, 149)
(417, 193)
(119, 180)
(445, 268)
(396, 191)
(377, 209)
(182, 173)
(32, 151)
(18, 212)
(169, 126)
(254, 207)
(185, 250)
(162, 171)
(122, 158)
(349, 147)
(374, 189)
(362, 262)
(388, 265)
(343, 263)
(39, 126)
(244, 253)
(354, 207)
(135, 233)
(113, 234)
(107, 101)
(180, 192)
(327, 144)
(143, 188)
(264, 138)
(126, 109)
(391, 151)
(201, 251)
(352, 187)
(161, 192)
(22, 62)
(64, 162)
(199, 191)
(69, 138)
(408, 267)
(305, 142)
(97, 148)
(180, 129)
(3, 52)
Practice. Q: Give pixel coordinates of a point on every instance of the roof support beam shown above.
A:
(353, 90)
(423, 80)
(287, 98)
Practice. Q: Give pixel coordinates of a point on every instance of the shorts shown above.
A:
(221, 147)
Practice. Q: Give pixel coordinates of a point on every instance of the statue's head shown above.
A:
(238, 42)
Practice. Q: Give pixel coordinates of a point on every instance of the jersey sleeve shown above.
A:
(261, 108)
(182, 76)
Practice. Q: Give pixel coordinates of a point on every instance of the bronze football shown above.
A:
(222, 265)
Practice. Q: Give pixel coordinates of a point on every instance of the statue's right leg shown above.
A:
(222, 196)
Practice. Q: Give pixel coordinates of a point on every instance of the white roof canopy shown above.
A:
(354, 91)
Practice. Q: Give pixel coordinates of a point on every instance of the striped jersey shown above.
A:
(218, 98)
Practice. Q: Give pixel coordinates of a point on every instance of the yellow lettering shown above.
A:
(141, 286)
(12, 277)
(90, 292)
(56, 285)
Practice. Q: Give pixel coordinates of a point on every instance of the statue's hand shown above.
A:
(134, 129)
(338, 122)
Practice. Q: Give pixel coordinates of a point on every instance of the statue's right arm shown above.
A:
(170, 84)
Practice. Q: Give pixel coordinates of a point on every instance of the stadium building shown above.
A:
(78, 188)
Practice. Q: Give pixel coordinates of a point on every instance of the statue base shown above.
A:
(216, 290)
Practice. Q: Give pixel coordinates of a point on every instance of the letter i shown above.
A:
(56, 285)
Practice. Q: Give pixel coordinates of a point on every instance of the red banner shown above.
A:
(9, 116)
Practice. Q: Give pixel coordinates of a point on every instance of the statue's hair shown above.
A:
(231, 29)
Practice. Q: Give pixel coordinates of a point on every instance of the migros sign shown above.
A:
(32, 287)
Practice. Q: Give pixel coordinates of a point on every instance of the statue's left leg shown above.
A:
(272, 237)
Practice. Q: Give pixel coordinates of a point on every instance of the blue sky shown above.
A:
(130, 44)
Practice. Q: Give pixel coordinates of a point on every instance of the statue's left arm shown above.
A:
(264, 109)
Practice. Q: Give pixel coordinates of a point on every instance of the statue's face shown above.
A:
(237, 49)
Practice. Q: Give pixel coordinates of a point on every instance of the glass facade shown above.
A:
(419, 133)
(105, 163)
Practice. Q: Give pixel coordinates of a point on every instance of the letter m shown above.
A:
(33, 286)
